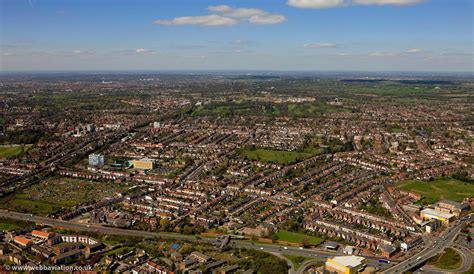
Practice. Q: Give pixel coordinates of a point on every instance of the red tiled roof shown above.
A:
(39, 233)
(21, 240)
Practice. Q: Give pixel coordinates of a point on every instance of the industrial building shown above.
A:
(344, 264)
(429, 214)
(144, 163)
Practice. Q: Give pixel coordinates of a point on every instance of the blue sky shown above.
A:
(361, 35)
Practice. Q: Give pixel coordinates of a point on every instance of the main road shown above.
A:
(318, 255)
(438, 246)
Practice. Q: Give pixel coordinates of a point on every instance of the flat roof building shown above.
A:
(144, 163)
(443, 217)
(96, 160)
(453, 207)
(331, 245)
(344, 264)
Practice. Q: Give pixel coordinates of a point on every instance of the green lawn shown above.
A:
(439, 189)
(8, 151)
(8, 227)
(7, 224)
(273, 156)
(28, 206)
(294, 237)
(450, 259)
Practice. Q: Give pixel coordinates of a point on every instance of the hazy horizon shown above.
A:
(283, 35)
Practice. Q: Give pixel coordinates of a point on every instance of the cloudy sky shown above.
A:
(359, 35)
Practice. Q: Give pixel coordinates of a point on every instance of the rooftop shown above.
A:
(348, 261)
(437, 213)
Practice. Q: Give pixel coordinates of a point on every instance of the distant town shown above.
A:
(236, 173)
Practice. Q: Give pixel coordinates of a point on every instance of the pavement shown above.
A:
(305, 265)
(467, 258)
(445, 240)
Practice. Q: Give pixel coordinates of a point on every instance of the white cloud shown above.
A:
(76, 51)
(255, 16)
(414, 50)
(219, 8)
(227, 16)
(321, 46)
(144, 51)
(315, 4)
(321, 4)
(236, 12)
(387, 2)
(212, 20)
(267, 19)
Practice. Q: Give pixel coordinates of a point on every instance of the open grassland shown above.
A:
(295, 237)
(58, 193)
(8, 151)
(449, 259)
(7, 224)
(8, 227)
(439, 189)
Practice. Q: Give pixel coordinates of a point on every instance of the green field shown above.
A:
(273, 156)
(439, 189)
(450, 259)
(7, 224)
(8, 227)
(294, 237)
(8, 151)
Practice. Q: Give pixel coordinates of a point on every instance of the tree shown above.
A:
(165, 224)
(274, 238)
(305, 242)
(187, 230)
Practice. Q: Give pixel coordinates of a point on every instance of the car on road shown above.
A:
(301, 247)
(261, 248)
(285, 247)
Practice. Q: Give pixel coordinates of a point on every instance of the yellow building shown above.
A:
(144, 163)
(429, 214)
(344, 264)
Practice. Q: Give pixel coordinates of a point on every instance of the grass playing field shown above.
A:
(8, 151)
(439, 189)
(294, 237)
